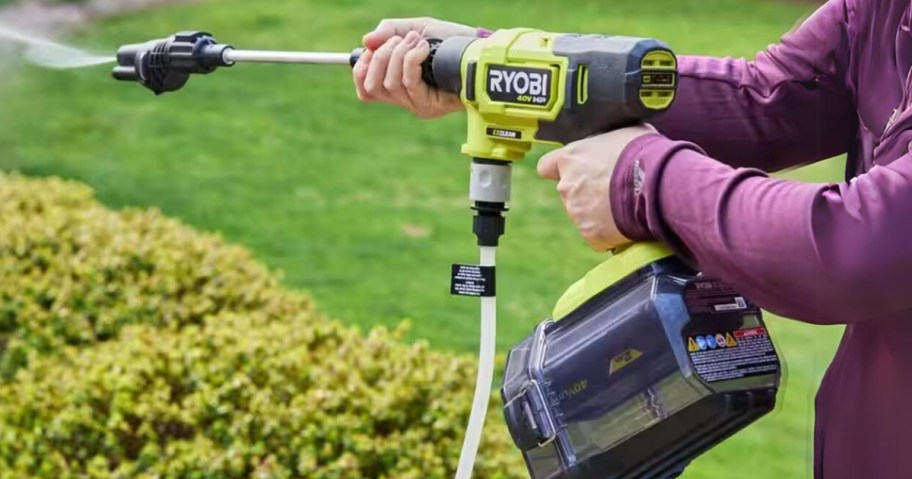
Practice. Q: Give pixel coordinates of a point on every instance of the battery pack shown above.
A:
(644, 365)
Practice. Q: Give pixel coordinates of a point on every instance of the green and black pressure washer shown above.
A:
(644, 363)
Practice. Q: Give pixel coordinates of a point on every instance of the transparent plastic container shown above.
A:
(629, 385)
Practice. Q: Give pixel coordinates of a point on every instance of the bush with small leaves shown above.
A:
(243, 396)
(75, 273)
(138, 348)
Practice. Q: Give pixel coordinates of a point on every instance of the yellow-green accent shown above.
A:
(582, 84)
(617, 267)
(656, 99)
(624, 359)
(658, 61)
(514, 47)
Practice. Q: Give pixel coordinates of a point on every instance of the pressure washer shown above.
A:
(644, 363)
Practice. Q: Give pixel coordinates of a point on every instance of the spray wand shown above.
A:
(165, 65)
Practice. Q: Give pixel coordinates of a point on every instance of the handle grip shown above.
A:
(427, 67)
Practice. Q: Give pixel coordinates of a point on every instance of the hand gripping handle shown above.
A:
(427, 69)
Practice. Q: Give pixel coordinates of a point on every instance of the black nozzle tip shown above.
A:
(125, 73)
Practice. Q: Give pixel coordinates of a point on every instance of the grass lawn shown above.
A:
(364, 205)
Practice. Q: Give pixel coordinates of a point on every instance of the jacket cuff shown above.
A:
(627, 188)
(636, 187)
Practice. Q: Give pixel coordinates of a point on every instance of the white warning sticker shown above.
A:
(733, 354)
(738, 304)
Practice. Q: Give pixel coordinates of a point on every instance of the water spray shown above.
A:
(49, 54)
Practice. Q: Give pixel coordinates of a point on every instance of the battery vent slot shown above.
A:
(582, 84)
(659, 59)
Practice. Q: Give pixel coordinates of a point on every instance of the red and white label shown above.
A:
(745, 333)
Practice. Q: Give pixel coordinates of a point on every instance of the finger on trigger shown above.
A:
(548, 165)
(376, 71)
(359, 72)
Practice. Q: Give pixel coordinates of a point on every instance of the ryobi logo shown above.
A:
(519, 85)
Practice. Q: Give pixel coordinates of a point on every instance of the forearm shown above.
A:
(791, 105)
(752, 114)
(818, 253)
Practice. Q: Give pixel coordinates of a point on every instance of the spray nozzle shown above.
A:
(166, 64)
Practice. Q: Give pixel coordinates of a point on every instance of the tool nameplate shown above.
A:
(520, 85)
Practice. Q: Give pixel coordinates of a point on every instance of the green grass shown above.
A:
(364, 205)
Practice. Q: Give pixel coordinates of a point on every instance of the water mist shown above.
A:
(49, 54)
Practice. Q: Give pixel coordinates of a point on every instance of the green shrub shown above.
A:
(168, 354)
(75, 273)
(242, 396)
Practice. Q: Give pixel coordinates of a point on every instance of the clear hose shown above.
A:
(484, 379)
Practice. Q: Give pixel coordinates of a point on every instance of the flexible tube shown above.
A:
(485, 376)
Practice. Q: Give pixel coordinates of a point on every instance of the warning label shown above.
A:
(472, 280)
(733, 354)
(692, 345)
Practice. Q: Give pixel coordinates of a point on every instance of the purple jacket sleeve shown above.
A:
(820, 253)
(788, 107)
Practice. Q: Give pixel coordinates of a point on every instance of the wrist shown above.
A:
(637, 184)
(628, 181)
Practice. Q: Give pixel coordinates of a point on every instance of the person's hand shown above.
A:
(389, 70)
(583, 172)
